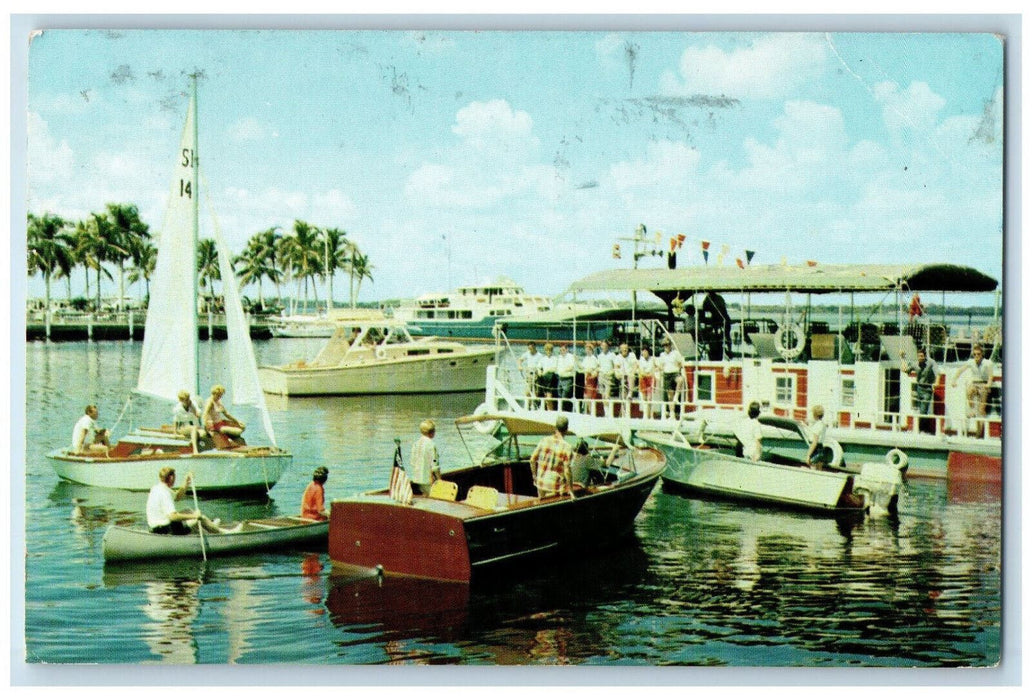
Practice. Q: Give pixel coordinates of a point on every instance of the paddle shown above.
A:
(200, 518)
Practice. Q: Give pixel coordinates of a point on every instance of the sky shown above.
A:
(455, 157)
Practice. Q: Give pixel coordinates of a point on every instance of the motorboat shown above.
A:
(169, 364)
(137, 543)
(712, 465)
(380, 357)
(489, 514)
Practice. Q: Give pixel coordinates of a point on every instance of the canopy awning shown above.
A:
(819, 279)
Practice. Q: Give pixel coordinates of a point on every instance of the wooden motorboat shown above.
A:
(710, 466)
(134, 543)
(380, 357)
(489, 513)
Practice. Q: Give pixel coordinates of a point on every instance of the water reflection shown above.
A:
(171, 608)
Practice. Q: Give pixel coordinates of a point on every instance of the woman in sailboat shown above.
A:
(218, 420)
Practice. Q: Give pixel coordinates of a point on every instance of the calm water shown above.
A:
(700, 583)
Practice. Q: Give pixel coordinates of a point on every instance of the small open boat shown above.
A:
(708, 465)
(133, 543)
(489, 513)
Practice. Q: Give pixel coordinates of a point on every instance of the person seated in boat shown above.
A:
(978, 388)
(424, 465)
(87, 424)
(313, 502)
(817, 454)
(550, 462)
(186, 418)
(217, 419)
(162, 516)
(750, 434)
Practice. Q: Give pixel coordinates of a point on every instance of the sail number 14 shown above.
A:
(186, 186)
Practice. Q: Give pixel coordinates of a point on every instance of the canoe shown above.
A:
(134, 543)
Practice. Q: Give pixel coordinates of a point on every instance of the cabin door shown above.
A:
(891, 394)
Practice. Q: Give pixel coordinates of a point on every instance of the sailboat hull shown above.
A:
(217, 471)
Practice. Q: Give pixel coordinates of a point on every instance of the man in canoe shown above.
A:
(162, 516)
(313, 502)
(550, 462)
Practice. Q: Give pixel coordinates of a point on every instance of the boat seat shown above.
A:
(485, 497)
(444, 490)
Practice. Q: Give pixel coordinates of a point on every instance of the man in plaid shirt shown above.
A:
(550, 462)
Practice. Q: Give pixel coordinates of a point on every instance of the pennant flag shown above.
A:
(616, 251)
(401, 486)
(811, 263)
(748, 256)
(680, 240)
(673, 244)
(739, 262)
(705, 251)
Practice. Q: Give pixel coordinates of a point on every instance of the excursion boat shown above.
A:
(380, 357)
(786, 358)
(470, 312)
(709, 465)
(169, 364)
(138, 544)
(489, 514)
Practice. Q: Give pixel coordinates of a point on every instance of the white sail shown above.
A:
(244, 387)
(169, 362)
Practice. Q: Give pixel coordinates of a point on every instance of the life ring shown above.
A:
(836, 452)
(381, 353)
(897, 458)
(487, 427)
(791, 332)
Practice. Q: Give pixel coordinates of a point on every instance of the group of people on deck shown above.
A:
(554, 380)
(926, 373)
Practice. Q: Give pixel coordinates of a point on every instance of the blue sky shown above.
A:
(453, 157)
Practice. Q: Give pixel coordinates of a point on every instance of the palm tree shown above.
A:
(302, 254)
(208, 267)
(128, 234)
(90, 250)
(49, 248)
(145, 257)
(267, 246)
(335, 257)
(253, 265)
(361, 269)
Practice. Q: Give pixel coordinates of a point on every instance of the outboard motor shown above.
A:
(880, 484)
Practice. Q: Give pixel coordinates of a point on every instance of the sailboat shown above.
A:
(169, 364)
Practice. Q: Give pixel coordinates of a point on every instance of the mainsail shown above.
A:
(169, 362)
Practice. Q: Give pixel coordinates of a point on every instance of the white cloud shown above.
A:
(250, 129)
(916, 108)
(495, 127)
(769, 67)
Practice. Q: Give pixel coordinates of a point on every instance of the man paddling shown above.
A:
(162, 516)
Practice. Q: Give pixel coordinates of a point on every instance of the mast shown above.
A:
(196, 231)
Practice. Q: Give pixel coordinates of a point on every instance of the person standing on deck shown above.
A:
(671, 365)
(978, 389)
(86, 424)
(566, 371)
(606, 378)
(646, 380)
(816, 455)
(750, 434)
(528, 364)
(626, 370)
(313, 502)
(548, 380)
(589, 367)
(550, 462)
(924, 373)
(424, 465)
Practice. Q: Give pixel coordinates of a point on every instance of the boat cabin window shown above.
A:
(442, 351)
(419, 352)
(784, 389)
(848, 391)
(704, 382)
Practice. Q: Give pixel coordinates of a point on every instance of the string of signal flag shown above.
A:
(676, 243)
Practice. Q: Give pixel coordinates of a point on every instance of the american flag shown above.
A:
(401, 487)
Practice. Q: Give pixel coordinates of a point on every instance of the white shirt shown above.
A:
(647, 365)
(818, 431)
(982, 372)
(184, 416)
(82, 428)
(750, 434)
(566, 365)
(161, 503)
(605, 362)
(589, 364)
(529, 362)
(671, 361)
(424, 460)
(548, 363)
